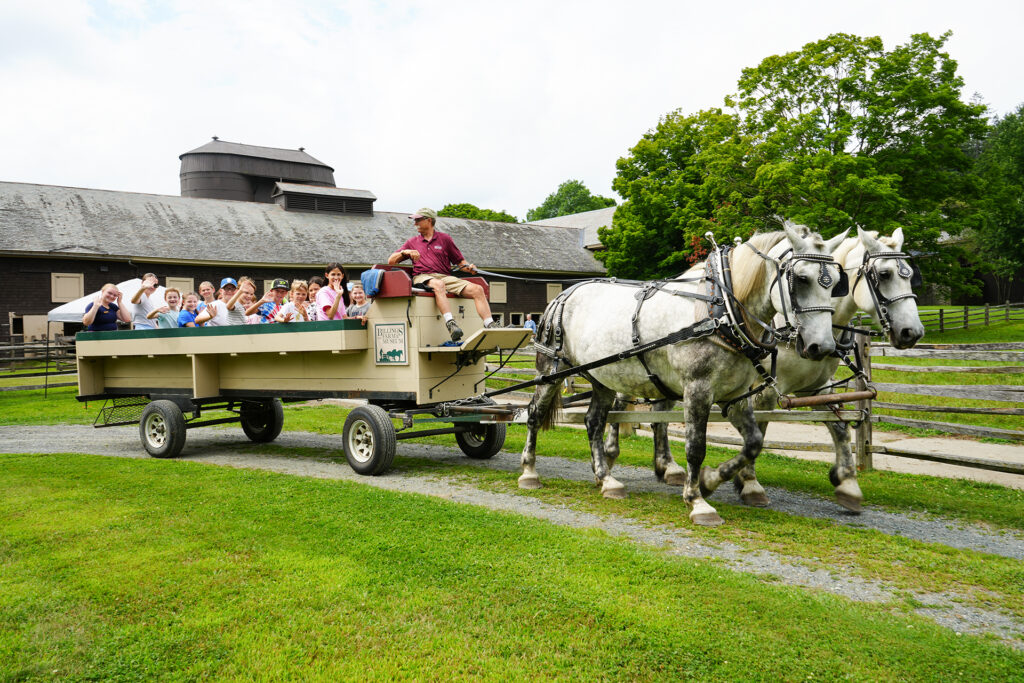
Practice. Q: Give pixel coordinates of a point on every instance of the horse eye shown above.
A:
(885, 274)
(802, 279)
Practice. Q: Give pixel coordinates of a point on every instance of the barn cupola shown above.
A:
(229, 170)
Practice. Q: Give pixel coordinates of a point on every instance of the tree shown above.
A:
(475, 213)
(840, 133)
(572, 196)
(1000, 236)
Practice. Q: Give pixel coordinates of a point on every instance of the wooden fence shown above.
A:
(964, 317)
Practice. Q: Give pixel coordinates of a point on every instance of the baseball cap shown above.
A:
(229, 281)
(424, 213)
(279, 283)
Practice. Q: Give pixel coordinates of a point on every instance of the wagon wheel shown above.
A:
(369, 439)
(482, 440)
(262, 422)
(162, 429)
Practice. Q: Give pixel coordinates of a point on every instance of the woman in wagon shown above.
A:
(332, 300)
(102, 313)
(433, 253)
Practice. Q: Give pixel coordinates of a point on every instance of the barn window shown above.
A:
(499, 292)
(182, 284)
(554, 289)
(65, 287)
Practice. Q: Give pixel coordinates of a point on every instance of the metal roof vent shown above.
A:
(296, 197)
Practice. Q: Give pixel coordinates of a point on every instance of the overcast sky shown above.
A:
(422, 103)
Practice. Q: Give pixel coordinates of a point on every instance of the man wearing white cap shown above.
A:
(433, 253)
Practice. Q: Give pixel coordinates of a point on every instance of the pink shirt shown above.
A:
(324, 300)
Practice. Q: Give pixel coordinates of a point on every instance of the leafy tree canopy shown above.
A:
(475, 213)
(1000, 236)
(572, 196)
(840, 133)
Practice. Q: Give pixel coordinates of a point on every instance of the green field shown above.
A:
(140, 569)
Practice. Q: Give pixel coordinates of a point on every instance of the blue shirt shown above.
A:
(105, 320)
(185, 317)
(530, 325)
(267, 311)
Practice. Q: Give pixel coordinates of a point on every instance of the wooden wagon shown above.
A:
(400, 361)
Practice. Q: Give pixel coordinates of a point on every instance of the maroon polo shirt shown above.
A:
(437, 255)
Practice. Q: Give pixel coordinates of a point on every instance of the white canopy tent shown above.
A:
(73, 311)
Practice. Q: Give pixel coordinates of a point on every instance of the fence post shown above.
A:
(966, 324)
(986, 314)
(941, 326)
(1007, 306)
(862, 435)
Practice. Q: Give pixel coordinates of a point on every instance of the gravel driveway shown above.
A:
(228, 447)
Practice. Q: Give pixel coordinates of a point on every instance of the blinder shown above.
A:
(915, 275)
(842, 287)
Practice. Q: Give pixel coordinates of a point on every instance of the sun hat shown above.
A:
(229, 281)
(424, 213)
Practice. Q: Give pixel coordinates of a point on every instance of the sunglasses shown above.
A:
(417, 220)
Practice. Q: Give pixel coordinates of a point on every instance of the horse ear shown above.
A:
(868, 240)
(798, 242)
(897, 236)
(833, 244)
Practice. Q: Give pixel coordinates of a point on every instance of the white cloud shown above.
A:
(422, 103)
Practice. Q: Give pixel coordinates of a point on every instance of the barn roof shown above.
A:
(48, 220)
(588, 221)
(295, 156)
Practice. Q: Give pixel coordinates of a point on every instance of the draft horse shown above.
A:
(779, 272)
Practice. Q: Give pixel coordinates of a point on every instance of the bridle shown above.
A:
(905, 268)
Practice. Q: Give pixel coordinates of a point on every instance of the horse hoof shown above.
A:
(848, 495)
(851, 503)
(706, 519)
(529, 482)
(674, 475)
(756, 499)
(614, 493)
(676, 478)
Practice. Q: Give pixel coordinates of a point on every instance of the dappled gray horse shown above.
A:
(780, 271)
(881, 284)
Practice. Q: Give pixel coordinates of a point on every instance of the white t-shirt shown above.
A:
(140, 311)
(220, 314)
(291, 308)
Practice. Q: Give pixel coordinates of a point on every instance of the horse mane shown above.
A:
(749, 270)
(851, 243)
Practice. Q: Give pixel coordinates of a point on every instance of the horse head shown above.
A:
(806, 280)
(883, 286)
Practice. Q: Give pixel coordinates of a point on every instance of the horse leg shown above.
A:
(596, 420)
(696, 408)
(747, 486)
(611, 432)
(843, 474)
(742, 417)
(541, 404)
(666, 469)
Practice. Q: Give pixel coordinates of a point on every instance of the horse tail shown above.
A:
(552, 412)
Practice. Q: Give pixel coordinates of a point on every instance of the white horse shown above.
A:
(881, 287)
(596, 321)
(881, 281)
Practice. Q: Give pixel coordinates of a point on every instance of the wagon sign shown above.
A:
(390, 345)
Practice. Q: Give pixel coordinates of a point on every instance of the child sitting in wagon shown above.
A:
(295, 310)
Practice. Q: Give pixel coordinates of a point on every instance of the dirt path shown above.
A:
(228, 447)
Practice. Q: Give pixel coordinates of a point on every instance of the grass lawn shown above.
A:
(142, 569)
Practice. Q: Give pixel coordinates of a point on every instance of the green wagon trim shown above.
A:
(225, 331)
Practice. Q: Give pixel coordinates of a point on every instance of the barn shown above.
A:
(244, 210)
